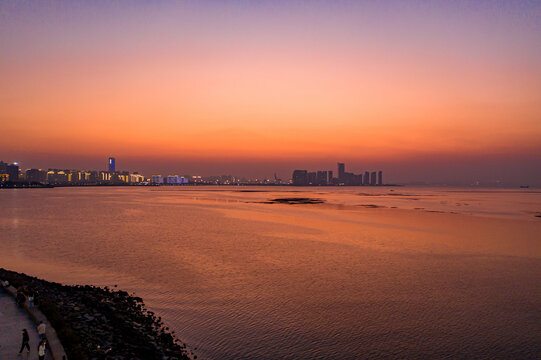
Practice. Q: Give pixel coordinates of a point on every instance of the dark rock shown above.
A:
(101, 323)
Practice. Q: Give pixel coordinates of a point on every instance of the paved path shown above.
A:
(12, 321)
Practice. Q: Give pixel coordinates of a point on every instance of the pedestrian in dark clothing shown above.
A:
(25, 343)
(20, 298)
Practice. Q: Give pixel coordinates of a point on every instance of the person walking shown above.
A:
(41, 330)
(25, 343)
(42, 347)
(20, 298)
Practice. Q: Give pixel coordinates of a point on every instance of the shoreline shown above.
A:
(93, 322)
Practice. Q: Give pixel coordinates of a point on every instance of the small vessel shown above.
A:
(524, 186)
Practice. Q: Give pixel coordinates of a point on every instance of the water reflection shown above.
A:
(238, 278)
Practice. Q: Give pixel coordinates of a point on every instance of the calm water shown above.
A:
(371, 273)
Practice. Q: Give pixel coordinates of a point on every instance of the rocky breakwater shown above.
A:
(100, 323)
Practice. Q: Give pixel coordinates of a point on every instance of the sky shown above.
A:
(432, 91)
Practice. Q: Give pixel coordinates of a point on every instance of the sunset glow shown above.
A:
(251, 83)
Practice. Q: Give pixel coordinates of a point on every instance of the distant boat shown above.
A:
(524, 186)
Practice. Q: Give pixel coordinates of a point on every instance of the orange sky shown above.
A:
(268, 84)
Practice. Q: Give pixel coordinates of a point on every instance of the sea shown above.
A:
(272, 272)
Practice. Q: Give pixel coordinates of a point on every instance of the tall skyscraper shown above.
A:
(373, 178)
(341, 171)
(330, 177)
(380, 177)
(112, 164)
(366, 180)
(321, 177)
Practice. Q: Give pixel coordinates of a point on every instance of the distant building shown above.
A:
(157, 179)
(312, 178)
(112, 166)
(300, 177)
(321, 177)
(92, 176)
(9, 171)
(373, 178)
(174, 180)
(106, 176)
(73, 176)
(330, 180)
(366, 180)
(123, 177)
(136, 178)
(380, 177)
(35, 175)
(341, 171)
(57, 177)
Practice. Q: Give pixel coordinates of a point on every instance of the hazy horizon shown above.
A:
(435, 169)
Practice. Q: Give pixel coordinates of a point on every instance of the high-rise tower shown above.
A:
(112, 164)
(373, 178)
(341, 171)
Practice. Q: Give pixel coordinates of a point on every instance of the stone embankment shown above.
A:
(99, 323)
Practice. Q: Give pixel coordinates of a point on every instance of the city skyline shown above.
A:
(394, 174)
(446, 93)
(12, 175)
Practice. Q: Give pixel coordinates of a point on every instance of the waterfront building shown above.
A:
(88, 178)
(157, 179)
(321, 177)
(350, 179)
(36, 175)
(106, 176)
(92, 176)
(76, 177)
(136, 178)
(366, 180)
(373, 178)
(380, 177)
(11, 170)
(174, 180)
(57, 177)
(312, 178)
(123, 177)
(300, 177)
(341, 171)
(330, 179)
(112, 165)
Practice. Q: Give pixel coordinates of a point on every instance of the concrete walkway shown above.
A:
(12, 321)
